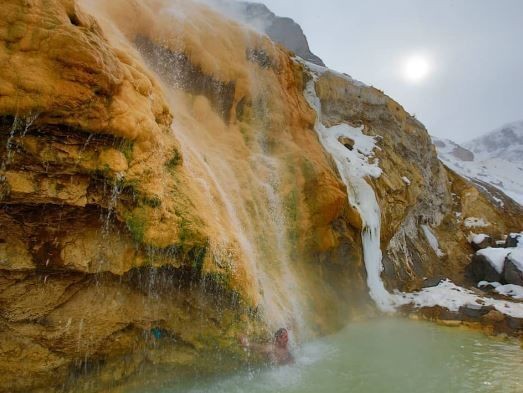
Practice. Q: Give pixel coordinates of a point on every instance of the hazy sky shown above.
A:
(474, 49)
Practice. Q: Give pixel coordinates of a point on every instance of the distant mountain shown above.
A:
(493, 161)
(504, 143)
(284, 31)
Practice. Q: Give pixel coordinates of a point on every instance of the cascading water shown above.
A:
(243, 188)
(270, 169)
(239, 229)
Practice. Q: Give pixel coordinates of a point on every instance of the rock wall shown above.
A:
(142, 183)
(415, 190)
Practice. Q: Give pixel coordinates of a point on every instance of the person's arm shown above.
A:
(262, 348)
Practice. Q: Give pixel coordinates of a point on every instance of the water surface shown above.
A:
(391, 355)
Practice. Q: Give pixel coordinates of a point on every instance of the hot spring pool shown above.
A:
(384, 356)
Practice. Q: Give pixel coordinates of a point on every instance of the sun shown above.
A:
(416, 68)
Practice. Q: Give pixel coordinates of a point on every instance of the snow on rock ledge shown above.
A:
(452, 297)
(495, 256)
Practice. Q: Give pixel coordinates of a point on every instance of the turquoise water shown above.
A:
(392, 355)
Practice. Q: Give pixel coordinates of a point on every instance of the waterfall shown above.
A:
(272, 298)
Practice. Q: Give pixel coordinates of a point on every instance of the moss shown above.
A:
(308, 170)
(154, 202)
(136, 225)
(103, 172)
(126, 147)
(244, 130)
(197, 257)
(174, 161)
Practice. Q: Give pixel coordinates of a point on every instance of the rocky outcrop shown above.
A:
(282, 30)
(512, 274)
(481, 269)
(433, 195)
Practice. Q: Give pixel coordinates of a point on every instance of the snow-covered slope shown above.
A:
(489, 161)
(505, 143)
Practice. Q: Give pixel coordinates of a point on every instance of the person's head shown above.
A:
(281, 338)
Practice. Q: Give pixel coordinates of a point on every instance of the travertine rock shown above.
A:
(136, 200)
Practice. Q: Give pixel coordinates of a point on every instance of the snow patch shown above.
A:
(495, 257)
(483, 284)
(511, 290)
(433, 240)
(477, 238)
(473, 222)
(406, 180)
(449, 295)
(516, 257)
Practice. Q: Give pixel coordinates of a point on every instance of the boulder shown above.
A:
(480, 242)
(514, 240)
(480, 269)
(474, 311)
(493, 316)
(515, 323)
(513, 272)
(433, 281)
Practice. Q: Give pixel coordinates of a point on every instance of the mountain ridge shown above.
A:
(504, 142)
(282, 30)
(494, 159)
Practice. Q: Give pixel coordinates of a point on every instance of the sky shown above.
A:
(473, 49)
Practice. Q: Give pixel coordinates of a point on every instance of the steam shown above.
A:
(253, 15)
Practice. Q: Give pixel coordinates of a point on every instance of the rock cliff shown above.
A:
(163, 190)
(282, 30)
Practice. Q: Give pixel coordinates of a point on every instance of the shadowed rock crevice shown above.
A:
(177, 69)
